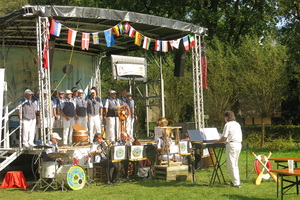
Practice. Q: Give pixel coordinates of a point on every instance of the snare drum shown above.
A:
(49, 169)
(74, 176)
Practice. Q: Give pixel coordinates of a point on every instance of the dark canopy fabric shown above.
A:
(19, 27)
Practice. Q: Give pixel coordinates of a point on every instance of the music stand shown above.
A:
(196, 135)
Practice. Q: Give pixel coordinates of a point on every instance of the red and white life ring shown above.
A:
(258, 167)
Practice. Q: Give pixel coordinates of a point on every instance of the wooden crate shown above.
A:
(171, 173)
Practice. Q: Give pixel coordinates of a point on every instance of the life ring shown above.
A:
(258, 165)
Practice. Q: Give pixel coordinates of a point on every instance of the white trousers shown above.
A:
(68, 130)
(129, 125)
(82, 121)
(28, 131)
(233, 151)
(94, 126)
(112, 127)
(58, 122)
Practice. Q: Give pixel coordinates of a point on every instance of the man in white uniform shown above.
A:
(81, 110)
(28, 120)
(112, 120)
(95, 111)
(164, 143)
(67, 110)
(130, 119)
(232, 136)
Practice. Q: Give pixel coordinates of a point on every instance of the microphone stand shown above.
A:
(108, 157)
(193, 165)
(79, 81)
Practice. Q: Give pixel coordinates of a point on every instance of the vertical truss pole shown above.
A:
(45, 104)
(163, 113)
(147, 109)
(197, 84)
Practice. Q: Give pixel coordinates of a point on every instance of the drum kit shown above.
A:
(55, 175)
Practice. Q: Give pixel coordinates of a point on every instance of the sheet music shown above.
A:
(211, 133)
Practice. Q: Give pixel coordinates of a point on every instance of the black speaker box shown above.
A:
(180, 55)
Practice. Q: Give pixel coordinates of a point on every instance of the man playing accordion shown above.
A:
(99, 153)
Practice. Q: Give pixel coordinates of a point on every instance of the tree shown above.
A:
(261, 70)
(289, 31)
(221, 94)
(7, 6)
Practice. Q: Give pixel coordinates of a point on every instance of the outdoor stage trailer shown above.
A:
(27, 28)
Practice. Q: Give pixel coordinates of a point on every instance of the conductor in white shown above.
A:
(232, 136)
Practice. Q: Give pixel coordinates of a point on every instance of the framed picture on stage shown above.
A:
(118, 153)
(136, 152)
(184, 147)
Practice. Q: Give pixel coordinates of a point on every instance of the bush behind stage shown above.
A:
(276, 137)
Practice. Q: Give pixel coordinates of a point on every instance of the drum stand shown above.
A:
(54, 183)
(88, 180)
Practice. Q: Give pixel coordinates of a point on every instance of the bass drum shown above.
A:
(74, 177)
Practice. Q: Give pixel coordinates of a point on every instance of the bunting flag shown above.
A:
(109, 38)
(116, 30)
(146, 43)
(131, 31)
(204, 67)
(46, 55)
(192, 40)
(55, 28)
(126, 27)
(138, 38)
(157, 45)
(85, 42)
(71, 36)
(164, 46)
(175, 43)
(186, 42)
(121, 28)
(95, 37)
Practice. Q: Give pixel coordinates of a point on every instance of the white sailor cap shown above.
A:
(112, 92)
(55, 135)
(28, 91)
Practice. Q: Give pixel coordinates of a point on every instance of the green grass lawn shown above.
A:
(159, 189)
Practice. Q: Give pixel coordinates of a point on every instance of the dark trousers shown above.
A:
(112, 169)
(136, 165)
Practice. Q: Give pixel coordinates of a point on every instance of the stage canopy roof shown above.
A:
(19, 27)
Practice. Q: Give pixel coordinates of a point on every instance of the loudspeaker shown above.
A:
(180, 55)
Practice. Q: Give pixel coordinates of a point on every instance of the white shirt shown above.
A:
(232, 131)
(161, 144)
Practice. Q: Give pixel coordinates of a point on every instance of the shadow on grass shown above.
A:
(241, 197)
(163, 183)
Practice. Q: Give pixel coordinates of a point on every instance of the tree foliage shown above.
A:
(221, 94)
(261, 72)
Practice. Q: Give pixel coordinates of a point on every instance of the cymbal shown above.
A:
(58, 155)
(42, 147)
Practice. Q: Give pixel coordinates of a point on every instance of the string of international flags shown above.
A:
(115, 31)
